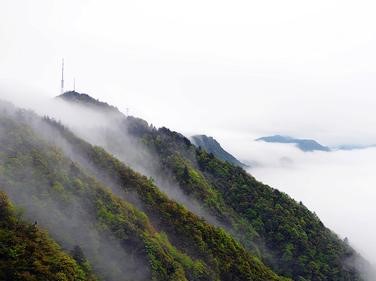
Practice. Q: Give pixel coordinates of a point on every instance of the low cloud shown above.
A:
(339, 186)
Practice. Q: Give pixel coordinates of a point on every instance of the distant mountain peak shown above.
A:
(305, 145)
(354, 146)
(212, 146)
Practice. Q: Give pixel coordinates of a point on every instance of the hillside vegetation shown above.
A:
(28, 253)
(137, 234)
(282, 232)
(290, 238)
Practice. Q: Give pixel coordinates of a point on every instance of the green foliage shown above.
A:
(27, 253)
(176, 243)
(287, 236)
(224, 258)
(64, 186)
(301, 245)
(210, 145)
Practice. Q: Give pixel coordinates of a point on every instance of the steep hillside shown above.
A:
(74, 201)
(188, 232)
(290, 238)
(284, 233)
(27, 252)
(212, 146)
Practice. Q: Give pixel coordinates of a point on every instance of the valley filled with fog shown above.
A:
(339, 186)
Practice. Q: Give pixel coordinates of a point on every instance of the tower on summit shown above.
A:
(62, 77)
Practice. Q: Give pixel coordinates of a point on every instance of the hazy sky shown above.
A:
(233, 69)
(296, 67)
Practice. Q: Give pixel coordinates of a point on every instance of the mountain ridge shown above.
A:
(211, 145)
(73, 96)
(208, 180)
(74, 200)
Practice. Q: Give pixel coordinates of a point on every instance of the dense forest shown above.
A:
(159, 239)
(141, 203)
(291, 239)
(280, 231)
(28, 253)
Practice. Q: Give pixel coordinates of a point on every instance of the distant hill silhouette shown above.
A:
(308, 145)
(353, 147)
(302, 144)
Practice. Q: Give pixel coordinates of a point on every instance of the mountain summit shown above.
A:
(86, 100)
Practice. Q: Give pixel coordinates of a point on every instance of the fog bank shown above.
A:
(339, 186)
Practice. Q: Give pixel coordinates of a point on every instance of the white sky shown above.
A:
(295, 67)
(232, 69)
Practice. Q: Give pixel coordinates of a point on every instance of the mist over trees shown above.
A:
(108, 171)
(192, 217)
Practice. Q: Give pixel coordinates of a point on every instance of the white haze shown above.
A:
(339, 186)
(236, 70)
(73, 225)
(103, 130)
(304, 68)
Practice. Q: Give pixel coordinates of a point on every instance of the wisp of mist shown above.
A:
(339, 186)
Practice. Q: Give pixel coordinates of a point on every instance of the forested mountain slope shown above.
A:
(284, 233)
(69, 187)
(28, 253)
(212, 146)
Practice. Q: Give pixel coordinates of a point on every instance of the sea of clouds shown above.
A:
(339, 186)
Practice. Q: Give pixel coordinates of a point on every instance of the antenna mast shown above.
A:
(62, 77)
(74, 84)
